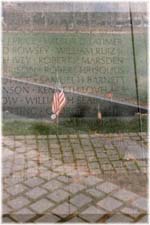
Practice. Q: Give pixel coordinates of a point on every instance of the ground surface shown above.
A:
(75, 178)
(15, 125)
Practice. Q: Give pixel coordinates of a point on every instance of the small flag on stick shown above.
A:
(109, 95)
(59, 101)
(99, 116)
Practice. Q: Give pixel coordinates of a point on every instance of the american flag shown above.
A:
(59, 101)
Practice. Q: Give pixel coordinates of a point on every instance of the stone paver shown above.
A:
(64, 209)
(139, 152)
(74, 188)
(47, 218)
(6, 209)
(119, 219)
(80, 200)
(92, 214)
(41, 206)
(23, 215)
(75, 220)
(74, 178)
(95, 193)
(140, 203)
(133, 212)
(34, 182)
(52, 185)
(109, 203)
(36, 193)
(18, 202)
(46, 174)
(5, 196)
(64, 179)
(58, 195)
(7, 220)
(125, 195)
(91, 180)
(107, 187)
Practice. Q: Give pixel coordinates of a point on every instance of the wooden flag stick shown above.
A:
(57, 120)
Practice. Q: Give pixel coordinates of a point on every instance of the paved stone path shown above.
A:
(75, 178)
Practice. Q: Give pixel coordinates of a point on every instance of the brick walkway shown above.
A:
(75, 178)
